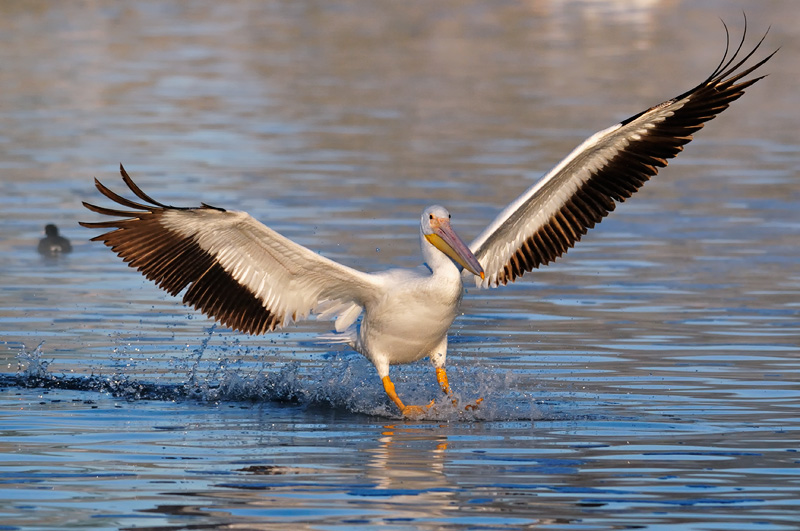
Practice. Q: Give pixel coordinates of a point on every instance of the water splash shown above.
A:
(31, 364)
(345, 382)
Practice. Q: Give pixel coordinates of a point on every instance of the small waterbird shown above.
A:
(53, 244)
(250, 278)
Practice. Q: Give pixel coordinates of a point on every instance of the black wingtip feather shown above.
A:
(624, 173)
(176, 262)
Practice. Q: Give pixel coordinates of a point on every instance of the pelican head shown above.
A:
(435, 227)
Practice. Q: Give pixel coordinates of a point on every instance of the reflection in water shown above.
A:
(408, 457)
(407, 463)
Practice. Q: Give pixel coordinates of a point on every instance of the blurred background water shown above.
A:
(649, 379)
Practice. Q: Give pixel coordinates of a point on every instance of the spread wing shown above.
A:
(237, 270)
(553, 214)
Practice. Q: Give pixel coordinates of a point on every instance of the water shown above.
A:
(649, 379)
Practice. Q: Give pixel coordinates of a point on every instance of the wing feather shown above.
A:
(609, 167)
(232, 268)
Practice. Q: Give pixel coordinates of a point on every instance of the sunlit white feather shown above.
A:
(538, 208)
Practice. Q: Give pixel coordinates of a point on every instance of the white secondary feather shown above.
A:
(289, 279)
(346, 313)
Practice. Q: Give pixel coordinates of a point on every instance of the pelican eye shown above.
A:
(431, 216)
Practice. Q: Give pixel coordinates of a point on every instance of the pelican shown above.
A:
(254, 280)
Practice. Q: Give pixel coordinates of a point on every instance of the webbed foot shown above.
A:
(413, 412)
(441, 377)
(473, 406)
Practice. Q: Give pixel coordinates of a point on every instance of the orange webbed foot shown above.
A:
(407, 411)
(441, 377)
(413, 412)
(473, 406)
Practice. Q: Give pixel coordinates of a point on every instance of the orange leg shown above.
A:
(407, 411)
(441, 377)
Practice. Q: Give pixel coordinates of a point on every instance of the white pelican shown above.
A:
(250, 278)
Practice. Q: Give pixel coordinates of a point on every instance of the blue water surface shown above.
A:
(648, 379)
